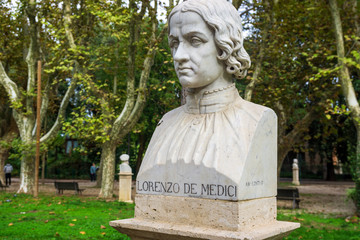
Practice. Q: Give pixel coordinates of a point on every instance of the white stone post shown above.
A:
(125, 180)
(295, 169)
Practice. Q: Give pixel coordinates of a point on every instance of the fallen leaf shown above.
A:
(85, 216)
(82, 232)
(57, 234)
(298, 219)
(59, 202)
(49, 204)
(46, 221)
(71, 224)
(103, 233)
(103, 227)
(10, 224)
(74, 220)
(51, 213)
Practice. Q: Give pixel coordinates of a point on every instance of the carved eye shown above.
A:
(195, 41)
(174, 44)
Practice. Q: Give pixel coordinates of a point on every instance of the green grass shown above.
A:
(59, 217)
(320, 226)
(73, 217)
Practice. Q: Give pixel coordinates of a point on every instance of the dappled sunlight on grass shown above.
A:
(59, 217)
(74, 217)
(321, 226)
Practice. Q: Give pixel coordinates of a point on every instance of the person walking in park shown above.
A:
(8, 169)
(93, 173)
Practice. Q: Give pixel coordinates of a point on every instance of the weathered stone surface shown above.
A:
(233, 156)
(219, 214)
(219, 144)
(139, 229)
(125, 180)
(210, 168)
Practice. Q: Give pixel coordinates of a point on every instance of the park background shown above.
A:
(108, 78)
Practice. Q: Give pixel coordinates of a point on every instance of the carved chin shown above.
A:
(185, 82)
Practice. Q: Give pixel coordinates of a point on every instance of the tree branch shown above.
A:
(10, 87)
(61, 114)
(70, 91)
(120, 129)
(265, 33)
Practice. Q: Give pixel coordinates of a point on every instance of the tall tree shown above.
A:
(22, 100)
(289, 67)
(136, 97)
(111, 101)
(347, 87)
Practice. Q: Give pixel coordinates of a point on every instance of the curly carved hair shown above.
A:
(222, 17)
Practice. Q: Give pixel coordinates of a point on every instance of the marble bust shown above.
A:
(217, 145)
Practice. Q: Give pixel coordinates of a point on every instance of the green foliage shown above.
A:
(351, 194)
(60, 217)
(320, 226)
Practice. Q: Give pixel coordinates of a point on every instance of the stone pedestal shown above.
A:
(167, 217)
(295, 169)
(125, 180)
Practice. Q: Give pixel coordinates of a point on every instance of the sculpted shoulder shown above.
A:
(171, 116)
(255, 111)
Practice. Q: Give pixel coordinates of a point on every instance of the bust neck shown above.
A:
(210, 101)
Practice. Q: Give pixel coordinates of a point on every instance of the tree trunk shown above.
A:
(99, 174)
(347, 89)
(140, 152)
(258, 64)
(4, 154)
(286, 142)
(108, 151)
(134, 105)
(27, 174)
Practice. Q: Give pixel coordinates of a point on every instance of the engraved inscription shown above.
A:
(191, 189)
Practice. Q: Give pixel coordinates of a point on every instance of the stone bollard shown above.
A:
(295, 168)
(125, 179)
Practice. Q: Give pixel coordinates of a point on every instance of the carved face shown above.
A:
(194, 51)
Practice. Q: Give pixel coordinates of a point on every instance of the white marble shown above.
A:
(217, 145)
(295, 169)
(139, 229)
(229, 154)
(125, 179)
(217, 214)
(209, 171)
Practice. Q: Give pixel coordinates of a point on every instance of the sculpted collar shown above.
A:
(211, 101)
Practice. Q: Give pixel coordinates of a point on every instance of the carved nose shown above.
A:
(181, 54)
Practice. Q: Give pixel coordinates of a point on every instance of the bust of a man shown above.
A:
(217, 145)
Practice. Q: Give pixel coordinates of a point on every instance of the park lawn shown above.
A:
(321, 226)
(73, 217)
(59, 217)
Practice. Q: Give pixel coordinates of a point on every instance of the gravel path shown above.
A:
(317, 196)
(325, 197)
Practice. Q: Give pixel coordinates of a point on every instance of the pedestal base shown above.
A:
(138, 229)
(181, 218)
(209, 213)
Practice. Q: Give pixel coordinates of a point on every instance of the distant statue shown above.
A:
(125, 179)
(217, 145)
(295, 168)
